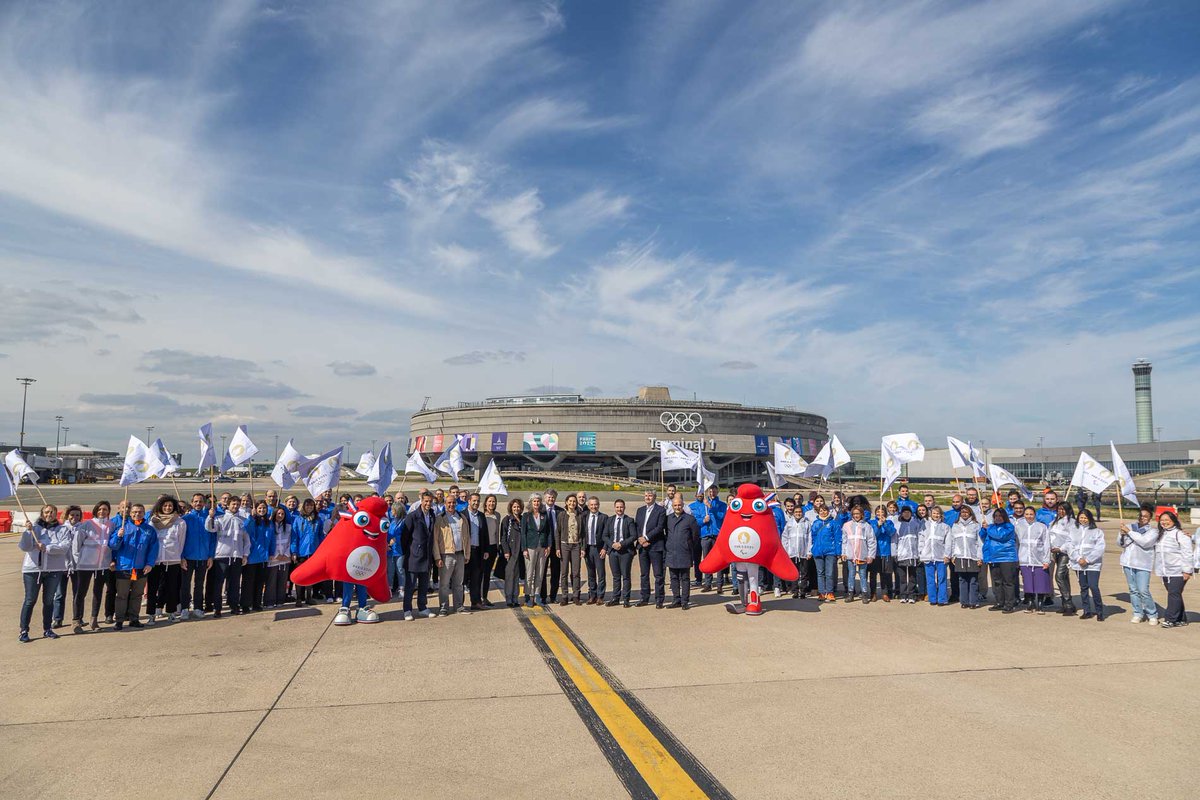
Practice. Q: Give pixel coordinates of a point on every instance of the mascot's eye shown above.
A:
(362, 519)
(384, 525)
(735, 504)
(760, 506)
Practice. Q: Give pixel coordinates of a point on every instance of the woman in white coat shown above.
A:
(796, 543)
(966, 551)
(934, 548)
(1137, 541)
(47, 547)
(1033, 554)
(1174, 562)
(1087, 557)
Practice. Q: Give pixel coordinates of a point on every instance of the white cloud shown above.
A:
(981, 116)
(516, 220)
(455, 258)
(589, 210)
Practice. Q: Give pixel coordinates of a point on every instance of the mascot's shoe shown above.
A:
(343, 617)
(753, 605)
(366, 615)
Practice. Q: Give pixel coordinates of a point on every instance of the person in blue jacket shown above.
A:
(197, 556)
(397, 513)
(711, 516)
(308, 531)
(261, 531)
(884, 566)
(1000, 553)
(134, 546)
(905, 501)
(826, 534)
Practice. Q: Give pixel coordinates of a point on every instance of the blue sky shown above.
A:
(947, 217)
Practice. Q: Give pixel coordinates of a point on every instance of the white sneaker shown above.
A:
(152, 618)
(777, 592)
(172, 617)
(343, 617)
(366, 615)
(1153, 620)
(197, 613)
(462, 610)
(1135, 619)
(427, 614)
(408, 616)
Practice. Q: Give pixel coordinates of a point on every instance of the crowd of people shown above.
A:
(237, 553)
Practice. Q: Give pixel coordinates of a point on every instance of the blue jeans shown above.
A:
(859, 578)
(395, 570)
(935, 583)
(968, 588)
(1139, 593)
(48, 583)
(826, 573)
(1089, 590)
(348, 590)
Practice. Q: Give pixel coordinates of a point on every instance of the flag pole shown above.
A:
(1120, 508)
(39, 491)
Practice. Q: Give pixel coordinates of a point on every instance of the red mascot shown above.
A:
(749, 538)
(353, 552)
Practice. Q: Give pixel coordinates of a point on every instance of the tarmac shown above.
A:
(810, 699)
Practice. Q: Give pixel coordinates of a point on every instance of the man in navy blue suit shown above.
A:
(652, 533)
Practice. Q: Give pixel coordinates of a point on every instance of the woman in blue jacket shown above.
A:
(884, 565)
(826, 533)
(134, 546)
(261, 531)
(1000, 554)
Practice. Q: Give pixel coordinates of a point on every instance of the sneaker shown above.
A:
(1153, 621)
(49, 634)
(366, 615)
(429, 614)
(778, 593)
(152, 618)
(1135, 619)
(1169, 625)
(343, 617)
(108, 619)
(408, 616)
(197, 614)
(24, 637)
(463, 610)
(444, 611)
(78, 628)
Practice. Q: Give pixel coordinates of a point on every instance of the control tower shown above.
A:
(1142, 402)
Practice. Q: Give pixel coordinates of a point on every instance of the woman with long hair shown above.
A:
(1000, 552)
(1062, 533)
(966, 551)
(280, 560)
(47, 546)
(511, 549)
(1174, 562)
(91, 557)
(1087, 556)
(165, 579)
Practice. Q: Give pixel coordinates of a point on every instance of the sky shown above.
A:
(932, 216)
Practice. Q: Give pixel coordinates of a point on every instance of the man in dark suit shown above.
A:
(593, 553)
(682, 533)
(651, 527)
(553, 510)
(482, 552)
(620, 538)
(416, 542)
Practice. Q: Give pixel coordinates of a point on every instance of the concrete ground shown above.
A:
(827, 700)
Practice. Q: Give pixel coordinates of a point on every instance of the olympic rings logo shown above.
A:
(680, 422)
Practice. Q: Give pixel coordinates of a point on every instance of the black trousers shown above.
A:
(681, 584)
(649, 558)
(479, 573)
(552, 574)
(597, 576)
(416, 583)
(1004, 582)
(882, 568)
(254, 584)
(192, 584)
(621, 565)
(162, 588)
(906, 578)
(225, 578)
(98, 580)
(1175, 610)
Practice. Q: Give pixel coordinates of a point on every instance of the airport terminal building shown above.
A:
(616, 436)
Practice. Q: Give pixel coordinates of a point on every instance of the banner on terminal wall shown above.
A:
(585, 442)
(811, 447)
(418, 444)
(499, 442)
(762, 445)
(437, 442)
(469, 442)
(539, 442)
(794, 442)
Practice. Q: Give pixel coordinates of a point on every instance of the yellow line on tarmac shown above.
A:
(658, 768)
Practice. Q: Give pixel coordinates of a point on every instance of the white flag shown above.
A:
(208, 453)
(382, 473)
(322, 473)
(491, 482)
(822, 464)
(241, 450)
(772, 475)
(365, 462)
(840, 456)
(137, 463)
(8, 487)
(704, 476)
(788, 461)
(450, 462)
(1124, 479)
(889, 465)
(1091, 474)
(417, 464)
(287, 469)
(162, 463)
(1002, 477)
(905, 447)
(963, 455)
(675, 457)
(20, 470)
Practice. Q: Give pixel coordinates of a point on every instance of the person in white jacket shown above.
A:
(278, 566)
(797, 543)
(907, 553)
(1033, 554)
(1137, 541)
(1175, 563)
(91, 556)
(966, 550)
(47, 547)
(163, 586)
(1062, 533)
(933, 548)
(858, 551)
(231, 553)
(1087, 557)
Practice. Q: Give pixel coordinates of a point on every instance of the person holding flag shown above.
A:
(1137, 542)
(1087, 557)
(47, 546)
(134, 546)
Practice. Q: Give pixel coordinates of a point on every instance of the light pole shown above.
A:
(57, 452)
(277, 447)
(222, 448)
(1091, 440)
(24, 396)
(1042, 458)
(1159, 440)
(148, 429)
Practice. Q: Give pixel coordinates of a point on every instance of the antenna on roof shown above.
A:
(425, 403)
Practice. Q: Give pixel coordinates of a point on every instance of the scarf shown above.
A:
(163, 521)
